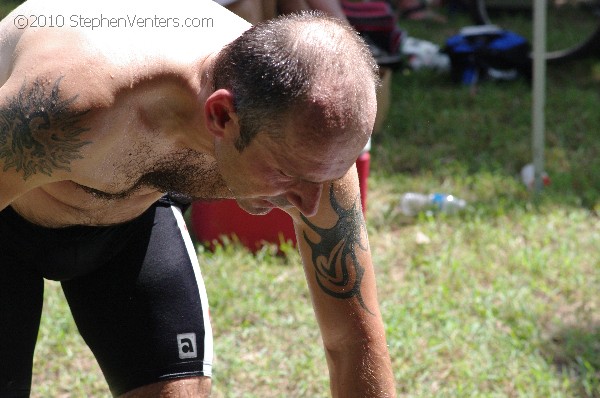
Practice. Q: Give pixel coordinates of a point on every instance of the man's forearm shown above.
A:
(340, 276)
(361, 371)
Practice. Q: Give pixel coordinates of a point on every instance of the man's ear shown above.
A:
(219, 110)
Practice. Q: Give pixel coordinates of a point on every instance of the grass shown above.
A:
(498, 301)
(7, 6)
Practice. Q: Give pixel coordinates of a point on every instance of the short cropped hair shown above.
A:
(276, 65)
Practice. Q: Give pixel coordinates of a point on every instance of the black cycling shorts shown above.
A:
(134, 289)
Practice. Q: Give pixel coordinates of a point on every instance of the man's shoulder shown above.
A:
(64, 64)
(91, 67)
(9, 37)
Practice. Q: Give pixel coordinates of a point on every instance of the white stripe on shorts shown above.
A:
(208, 337)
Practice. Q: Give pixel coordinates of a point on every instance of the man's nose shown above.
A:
(305, 197)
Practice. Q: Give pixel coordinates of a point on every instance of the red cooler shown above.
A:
(211, 220)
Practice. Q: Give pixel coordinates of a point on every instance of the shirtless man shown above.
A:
(101, 127)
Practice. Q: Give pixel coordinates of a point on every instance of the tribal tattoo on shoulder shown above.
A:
(337, 268)
(39, 133)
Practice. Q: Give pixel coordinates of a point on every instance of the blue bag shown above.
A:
(487, 52)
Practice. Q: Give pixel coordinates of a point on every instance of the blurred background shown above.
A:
(496, 299)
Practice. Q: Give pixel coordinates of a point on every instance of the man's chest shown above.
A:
(141, 167)
(134, 148)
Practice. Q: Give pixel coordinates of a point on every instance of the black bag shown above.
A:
(487, 52)
(377, 24)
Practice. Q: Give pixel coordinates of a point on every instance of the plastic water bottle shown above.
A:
(528, 176)
(413, 203)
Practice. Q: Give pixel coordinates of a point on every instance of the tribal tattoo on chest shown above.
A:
(39, 133)
(337, 268)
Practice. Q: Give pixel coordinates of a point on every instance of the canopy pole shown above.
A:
(539, 90)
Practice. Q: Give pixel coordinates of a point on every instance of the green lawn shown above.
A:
(498, 301)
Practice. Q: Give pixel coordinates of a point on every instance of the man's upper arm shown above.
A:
(40, 134)
(12, 185)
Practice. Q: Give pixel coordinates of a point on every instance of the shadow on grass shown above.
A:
(575, 352)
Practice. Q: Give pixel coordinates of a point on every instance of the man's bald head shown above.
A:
(298, 62)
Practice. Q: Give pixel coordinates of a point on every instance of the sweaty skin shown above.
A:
(106, 128)
(97, 125)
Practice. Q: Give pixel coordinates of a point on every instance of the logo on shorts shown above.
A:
(187, 345)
